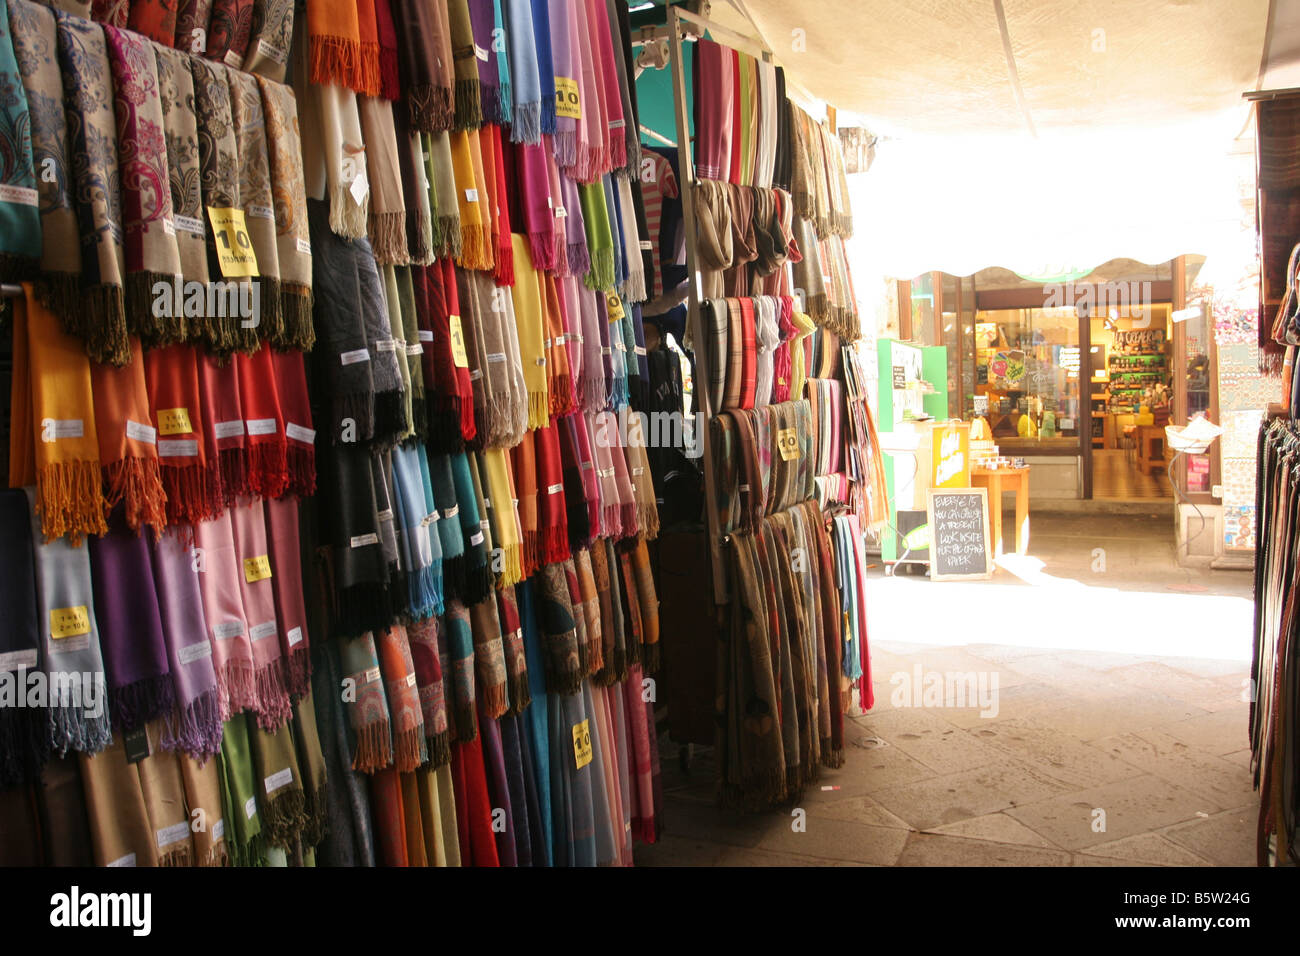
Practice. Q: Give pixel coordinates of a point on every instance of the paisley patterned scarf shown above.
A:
(34, 49)
(180, 126)
(256, 200)
(423, 640)
(229, 30)
(271, 38)
(92, 147)
(20, 216)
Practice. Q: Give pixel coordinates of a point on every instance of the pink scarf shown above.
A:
(593, 388)
(603, 429)
(232, 654)
(254, 576)
(626, 495)
(286, 582)
(538, 205)
(714, 84)
(611, 94)
(591, 159)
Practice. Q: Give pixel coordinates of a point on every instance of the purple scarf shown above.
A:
(195, 727)
(482, 18)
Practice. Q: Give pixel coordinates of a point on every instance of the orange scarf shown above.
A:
(128, 443)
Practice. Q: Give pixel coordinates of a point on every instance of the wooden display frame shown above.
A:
(983, 495)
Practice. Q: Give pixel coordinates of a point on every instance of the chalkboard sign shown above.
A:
(959, 530)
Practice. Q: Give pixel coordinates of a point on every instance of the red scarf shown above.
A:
(223, 423)
(156, 19)
(442, 342)
(559, 384)
(523, 465)
(389, 83)
(550, 493)
(286, 584)
(299, 432)
(190, 471)
(749, 361)
(229, 30)
(268, 474)
(478, 845)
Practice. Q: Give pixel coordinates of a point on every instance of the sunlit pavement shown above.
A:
(1105, 694)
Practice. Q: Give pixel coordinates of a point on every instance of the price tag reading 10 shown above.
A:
(582, 743)
(234, 245)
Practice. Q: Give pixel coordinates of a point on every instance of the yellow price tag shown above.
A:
(787, 443)
(257, 569)
(234, 245)
(567, 102)
(614, 307)
(458, 342)
(174, 421)
(69, 621)
(582, 743)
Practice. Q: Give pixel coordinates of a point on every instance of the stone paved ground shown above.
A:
(1121, 687)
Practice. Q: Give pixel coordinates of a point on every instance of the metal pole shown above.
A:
(693, 287)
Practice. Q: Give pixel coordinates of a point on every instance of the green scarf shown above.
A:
(600, 240)
(239, 795)
(20, 215)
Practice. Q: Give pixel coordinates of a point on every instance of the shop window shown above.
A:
(1027, 378)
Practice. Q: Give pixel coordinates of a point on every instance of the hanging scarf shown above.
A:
(469, 108)
(65, 602)
(270, 37)
(20, 215)
(489, 658)
(512, 641)
(423, 639)
(333, 146)
(460, 651)
(295, 411)
(505, 267)
(127, 443)
(592, 160)
(335, 36)
(387, 221)
(566, 66)
(524, 468)
(268, 474)
(530, 319)
(564, 667)
(396, 344)
(223, 610)
(621, 45)
(368, 35)
(493, 399)
(257, 597)
(634, 286)
(594, 384)
(525, 82)
(368, 712)
(279, 785)
(600, 242)
(24, 732)
(443, 200)
(219, 181)
(470, 196)
(239, 795)
(446, 385)
(115, 818)
(425, 58)
(130, 628)
(35, 49)
(422, 549)
(342, 352)
(289, 205)
(538, 206)
(570, 220)
(53, 440)
(479, 578)
(405, 716)
(614, 136)
(192, 18)
(229, 28)
(191, 473)
(580, 493)
(458, 578)
(567, 292)
(560, 377)
(627, 507)
(483, 21)
(151, 251)
(553, 521)
(223, 422)
(282, 531)
(83, 57)
(507, 530)
(714, 93)
(195, 727)
(541, 23)
(203, 785)
(643, 490)
(176, 89)
(448, 339)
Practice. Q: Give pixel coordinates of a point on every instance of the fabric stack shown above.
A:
(441, 209)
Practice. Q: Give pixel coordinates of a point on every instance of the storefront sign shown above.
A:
(959, 524)
(951, 456)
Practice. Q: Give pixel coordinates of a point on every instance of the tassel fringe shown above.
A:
(70, 499)
(137, 481)
(336, 60)
(387, 231)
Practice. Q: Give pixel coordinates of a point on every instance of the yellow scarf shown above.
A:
(506, 532)
(472, 201)
(530, 319)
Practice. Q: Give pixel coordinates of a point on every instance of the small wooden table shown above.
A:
(1150, 448)
(998, 480)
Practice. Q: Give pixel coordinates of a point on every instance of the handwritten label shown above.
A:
(52, 429)
(787, 443)
(582, 744)
(174, 421)
(364, 540)
(141, 432)
(12, 661)
(614, 306)
(294, 636)
(355, 356)
(260, 632)
(194, 652)
(178, 447)
(262, 426)
(299, 433)
(279, 780)
(567, 102)
(257, 569)
(457, 342)
(228, 629)
(69, 621)
(235, 253)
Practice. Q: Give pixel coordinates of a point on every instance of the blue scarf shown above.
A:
(421, 548)
(545, 65)
(536, 723)
(526, 83)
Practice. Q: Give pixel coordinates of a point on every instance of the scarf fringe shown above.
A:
(527, 126)
(193, 493)
(650, 658)
(315, 816)
(24, 745)
(439, 746)
(387, 231)
(431, 108)
(600, 272)
(565, 143)
(548, 114)
(154, 331)
(831, 756)
(590, 163)
(98, 318)
(560, 254)
(301, 462)
(233, 463)
(361, 608)
(505, 261)
(390, 416)
(220, 334)
(453, 578)
(141, 701)
(531, 552)
(469, 105)
(578, 259)
(71, 729)
(419, 237)
(611, 521)
(1270, 361)
(196, 728)
(217, 855)
(336, 60)
(70, 499)
(272, 709)
(539, 409)
(236, 687)
(475, 247)
(389, 74)
(566, 682)
(542, 247)
(494, 699)
(444, 424)
(466, 724)
(347, 219)
(283, 816)
(409, 750)
(647, 519)
(561, 395)
(426, 592)
(270, 319)
(514, 566)
(297, 673)
(180, 854)
(755, 791)
(634, 286)
(490, 102)
(137, 481)
(268, 468)
(61, 293)
(451, 242)
(555, 545)
(374, 747)
(618, 395)
(519, 694)
(371, 71)
(360, 408)
(479, 583)
(591, 393)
